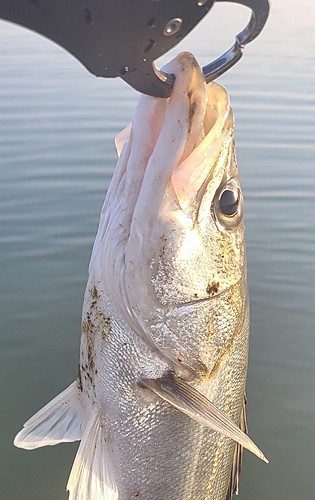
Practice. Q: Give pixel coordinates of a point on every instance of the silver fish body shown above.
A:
(165, 321)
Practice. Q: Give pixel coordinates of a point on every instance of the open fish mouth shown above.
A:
(188, 128)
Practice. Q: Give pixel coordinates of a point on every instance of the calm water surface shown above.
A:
(57, 125)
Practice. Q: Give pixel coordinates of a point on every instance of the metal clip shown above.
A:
(260, 12)
(161, 83)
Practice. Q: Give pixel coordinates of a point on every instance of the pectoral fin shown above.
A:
(188, 400)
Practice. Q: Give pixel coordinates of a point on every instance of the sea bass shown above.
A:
(159, 401)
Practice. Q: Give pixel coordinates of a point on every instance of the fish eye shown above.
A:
(228, 202)
(228, 205)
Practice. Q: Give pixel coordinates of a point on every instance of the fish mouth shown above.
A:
(196, 124)
(191, 175)
(172, 146)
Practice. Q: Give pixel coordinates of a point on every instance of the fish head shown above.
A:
(173, 232)
(199, 227)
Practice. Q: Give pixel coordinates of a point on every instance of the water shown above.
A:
(57, 124)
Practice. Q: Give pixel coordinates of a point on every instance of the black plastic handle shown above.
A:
(123, 37)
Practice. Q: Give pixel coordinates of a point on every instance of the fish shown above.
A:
(159, 402)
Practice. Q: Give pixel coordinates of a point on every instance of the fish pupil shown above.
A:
(229, 202)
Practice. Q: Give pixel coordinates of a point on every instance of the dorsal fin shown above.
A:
(238, 457)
